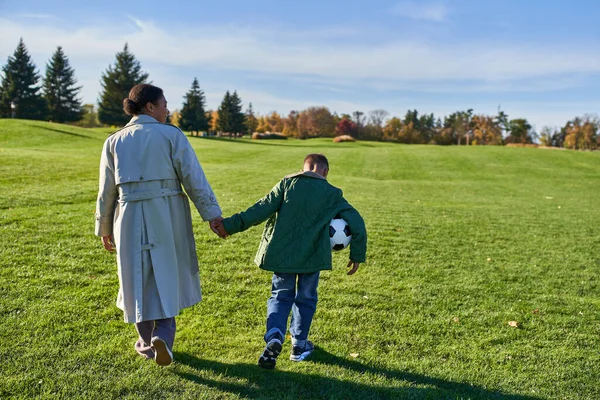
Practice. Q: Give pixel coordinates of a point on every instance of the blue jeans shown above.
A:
(296, 293)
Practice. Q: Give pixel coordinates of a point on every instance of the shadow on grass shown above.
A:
(277, 384)
(66, 132)
(278, 142)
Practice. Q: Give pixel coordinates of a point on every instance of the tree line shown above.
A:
(24, 93)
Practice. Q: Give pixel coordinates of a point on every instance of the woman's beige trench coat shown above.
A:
(140, 202)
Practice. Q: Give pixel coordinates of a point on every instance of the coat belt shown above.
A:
(147, 194)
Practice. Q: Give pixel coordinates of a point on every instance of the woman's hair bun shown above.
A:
(130, 106)
(139, 96)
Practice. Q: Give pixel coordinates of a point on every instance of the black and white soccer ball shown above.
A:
(339, 234)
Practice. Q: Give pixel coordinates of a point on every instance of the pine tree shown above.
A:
(19, 86)
(238, 119)
(224, 123)
(60, 91)
(250, 120)
(117, 81)
(231, 118)
(193, 116)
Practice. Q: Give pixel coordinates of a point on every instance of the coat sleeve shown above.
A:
(358, 244)
(107, 193)
(258, 213)
(192, 177)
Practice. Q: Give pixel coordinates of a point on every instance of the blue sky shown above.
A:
(535, 59)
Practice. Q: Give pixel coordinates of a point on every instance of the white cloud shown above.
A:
(309, 58)
(279, 52)
(419, 11)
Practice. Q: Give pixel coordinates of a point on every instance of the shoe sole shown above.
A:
(268, 359)
(162, 356)
(301, 357)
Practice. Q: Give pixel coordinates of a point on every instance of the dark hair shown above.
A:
(139, 96)
(316, 159)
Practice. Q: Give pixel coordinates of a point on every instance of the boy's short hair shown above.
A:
(318, 160)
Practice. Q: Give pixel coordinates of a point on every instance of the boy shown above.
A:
(295, 247)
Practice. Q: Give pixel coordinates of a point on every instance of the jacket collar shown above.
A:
(141, 119)
(309, 174)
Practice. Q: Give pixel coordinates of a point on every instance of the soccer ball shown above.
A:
(339, 234)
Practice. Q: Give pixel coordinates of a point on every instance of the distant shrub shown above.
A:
(344, 138)
(521, 145)
(258, 135)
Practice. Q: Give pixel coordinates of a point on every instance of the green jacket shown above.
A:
(296, 236)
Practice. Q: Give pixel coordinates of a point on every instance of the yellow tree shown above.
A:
(582, 134)
(174, 118)
(290, 124)
(263, 125)
(391, 130)
(486, 130)
(214, 120)
(275, 122)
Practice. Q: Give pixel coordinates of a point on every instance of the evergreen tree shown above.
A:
(237, 115)
(117, 81)
(193, 116)
(231, 118)
(250, 120)
(19, 86)
(224, 111)
(60, 91)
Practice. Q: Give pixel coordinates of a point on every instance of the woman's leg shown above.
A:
(142, 346)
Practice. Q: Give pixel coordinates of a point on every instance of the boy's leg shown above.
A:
(283, 290)
(303, 310)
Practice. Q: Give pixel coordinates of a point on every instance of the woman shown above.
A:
(143, 214)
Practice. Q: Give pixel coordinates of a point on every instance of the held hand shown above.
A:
(216, 225)
(109, 243)
(354, 266)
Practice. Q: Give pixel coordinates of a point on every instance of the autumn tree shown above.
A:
(290, 124)
(486, 130)
(60, 90)
(117, 81)
(20, 95)
(275, 122)
(346, 127)
(250, 120)
(315, 122)
(214, 120)
(392, 128)
(582, 133)
(263, 125)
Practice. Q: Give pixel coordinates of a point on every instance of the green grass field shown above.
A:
(462, 240)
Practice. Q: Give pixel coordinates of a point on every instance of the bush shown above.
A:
(344, 138)
(257, 135)
(521, 145)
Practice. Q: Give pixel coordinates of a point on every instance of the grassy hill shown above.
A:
(462, 240)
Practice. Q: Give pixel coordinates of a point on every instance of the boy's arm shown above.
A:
(358, 244)
(256, 214)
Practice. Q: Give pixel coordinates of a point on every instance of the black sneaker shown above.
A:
(269, 356)
(300, 353)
